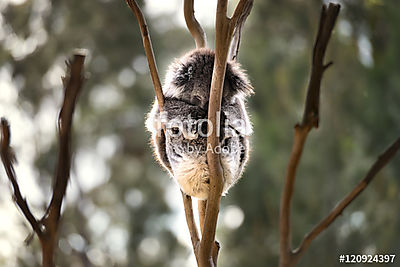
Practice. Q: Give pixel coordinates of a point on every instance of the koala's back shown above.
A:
(189, 79)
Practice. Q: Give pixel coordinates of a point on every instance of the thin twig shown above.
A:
(8, 158)
(193, 25)
(310, 120)
(194, 236)
(148, 48)
(380, 163)
(243, 11)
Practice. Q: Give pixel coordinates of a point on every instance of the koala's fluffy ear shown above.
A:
(238, 80)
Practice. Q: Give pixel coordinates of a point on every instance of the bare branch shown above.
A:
(193, 25)
(223, 36)
(73, 85)
(295, 156)
(8, 158)
(148, 48)
(47, 227)
(310, 120)
(194, 236)
(326, 24)
(241, 13)
(381, 162)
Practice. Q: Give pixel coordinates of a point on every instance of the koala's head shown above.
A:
(189, 79)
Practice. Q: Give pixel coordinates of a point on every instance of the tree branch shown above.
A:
(297, 150)
(73, 85)
(310, 120)
(193, 25)
(380, 163)
(194, 236)
(326, 24)
(47, 227)
(8, 158)
(223, 36)
(73, 82)
(148, 48)
(222, 40)
(241, 13)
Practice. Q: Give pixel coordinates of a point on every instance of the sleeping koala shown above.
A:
(181, 147)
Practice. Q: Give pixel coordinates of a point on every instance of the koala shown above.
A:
(179, 133)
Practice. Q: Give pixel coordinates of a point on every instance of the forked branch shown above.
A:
(381, 162)
(310, 120)
(47, 227)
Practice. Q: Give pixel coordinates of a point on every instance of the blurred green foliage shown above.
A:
(127, 219)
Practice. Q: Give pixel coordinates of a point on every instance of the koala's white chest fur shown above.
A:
(193, 177)
(181, 148)
(192, 174)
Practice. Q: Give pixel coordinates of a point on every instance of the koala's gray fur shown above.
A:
(182, 148)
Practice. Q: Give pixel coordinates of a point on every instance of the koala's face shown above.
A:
(181, 143)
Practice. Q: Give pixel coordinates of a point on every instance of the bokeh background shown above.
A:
(121, 209)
